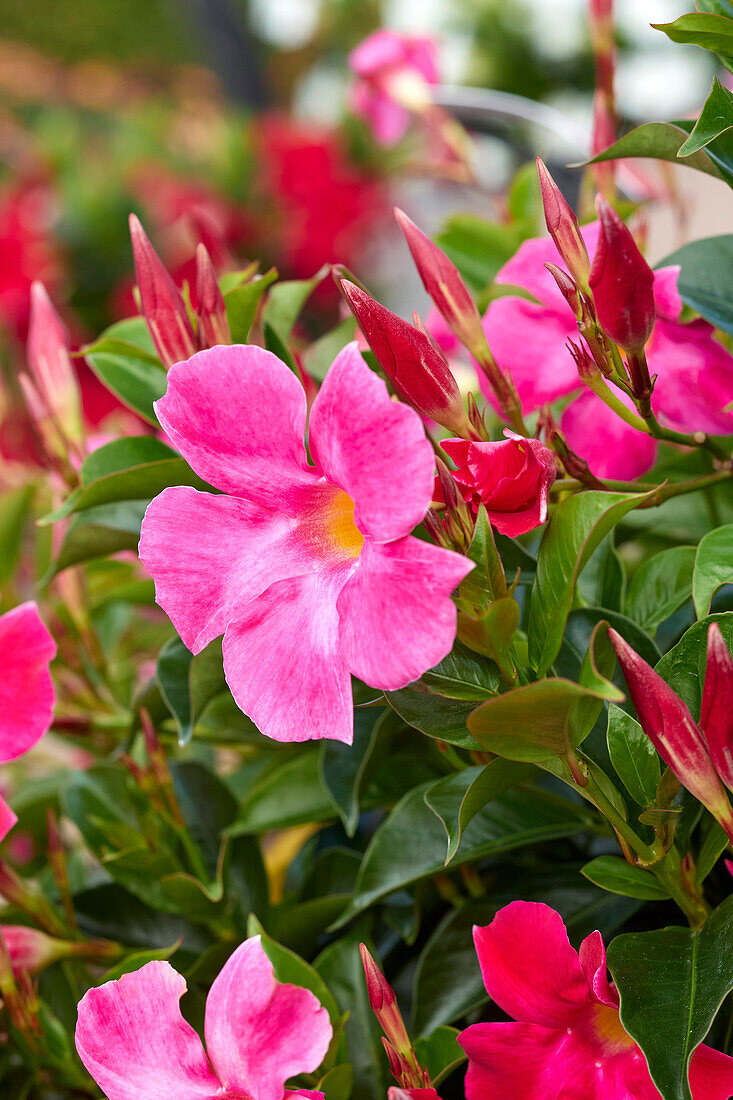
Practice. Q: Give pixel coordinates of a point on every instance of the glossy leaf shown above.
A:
(705, 281)
(683, 667)
(711, 32)
(188, 683)
(575, 529)
(343, 768)
(663, 141)
(241, 304)
(678, 976)
(102, 530)
(716, 117)
(440, 1053)
(124, 360)
(713, 567)
(286, 300)
(660, 586)
(615, 875)
(633, 756)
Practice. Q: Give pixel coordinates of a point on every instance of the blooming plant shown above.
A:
(356, 713)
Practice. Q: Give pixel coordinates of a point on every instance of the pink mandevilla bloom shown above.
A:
(26, 689)
(259, 1033)
(511, 478)
(309, 571)
(695, 373)
(392, 72)
(568, 1039)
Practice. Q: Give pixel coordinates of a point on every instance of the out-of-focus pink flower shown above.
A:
(694, 372)
(26, 689)
(310, 572)
(27, 249)
(393, 72)
(568, 1039)
(52, 376)
(31, 950)
(511, 479)
(259, 1033)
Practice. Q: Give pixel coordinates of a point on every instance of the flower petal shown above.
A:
(282, 660)
(374, 448)
(133, 1040)
(610, 446)
(396, 615)
(7, 819)
(527, 268)
(259, 1031)
(513, 1061)
(210, 555)
(666, 295)
(592, 956)
(695, 377)
(237, 415)
(529, 967)
(26, 689)
(711, 1074)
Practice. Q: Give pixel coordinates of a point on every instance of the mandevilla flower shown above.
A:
(414, 364)
(568, 1040)
(694, 372)
(699, 755)
(160, 301)
(309, 571)
(259, 1032)
(26, 689)
(512, 478)
(393, 72)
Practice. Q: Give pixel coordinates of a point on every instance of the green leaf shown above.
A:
(241, 304)
(410, 844)
(711, 32)
(633, 756)
(478, 247)
(286, 300)
(575, 529)
(679, 977)
(440, 1053)
(319, 355)
(124, 360)
(459, 797)
(705, 281)
(274, 344)
(15, 507)
(618, 877)
(716, 117)
(434, 715)
(683, 667)
(663, 141)
(660, 586)
(712, 849)
(102, 530)
(188, 683)
(290, 794)
(487, 582)
(713, 567)
(136, 959)
(463, 674)
(343, 768)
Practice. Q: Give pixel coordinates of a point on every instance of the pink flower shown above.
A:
(511, 478)
(568, 1039)
(259, 1033)
(309, 571)
(392, 72)
(695, 373)
(26, 688)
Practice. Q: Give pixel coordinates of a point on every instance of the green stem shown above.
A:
(609, 398)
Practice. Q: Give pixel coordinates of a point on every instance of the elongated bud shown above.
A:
(31, 950)
(384, 1004)
(50, 366)
(587, 368)
(622, 283)
(567, 288)
(161, 303)
(213, 326)
(443, 283)
(673, 731)
(562, 225)
(407, 357)
(716, 712)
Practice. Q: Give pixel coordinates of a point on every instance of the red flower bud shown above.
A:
(396, 1093)
(670, 727)
(562, 225)
(213, 326)
(160, 301)
(622, 283)
(53, 378)
(716, 712)
(567, 288)
(416, 369)
(31, 950)
(444, 285)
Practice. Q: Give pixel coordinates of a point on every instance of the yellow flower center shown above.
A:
(607, 1025)
(339, 527)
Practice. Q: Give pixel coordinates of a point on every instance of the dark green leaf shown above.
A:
(633, 756)
(463, 674)
(286, 300)
(713, 567)
(678, 977)
(615, 875)
(125, 362)
(660, 586)
(435, 715)
(188, 683)
(104, 529)
(662, 141)
(440, 1053)
(575, 529)
(343, 768)
(712, 849)
(705, 281)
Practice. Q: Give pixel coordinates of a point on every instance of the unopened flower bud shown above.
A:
(567, 288)
(31, 950)
(562, 225)
(587, 369)
(417, 371)
(50, 366)
(161, 303)
(443, 283)
(622, 283)
(716, 712)
(213, 326)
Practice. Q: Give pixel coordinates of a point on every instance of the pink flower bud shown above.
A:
(396, 1093)
(567, 288)
(160, 301)
(213, 326)
(622, 283)
(31, 950)
(562, 225)
(52, 374)
(673, 731)
(443, 283)
(416, 369)
(716, 712)
(384, 1006)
